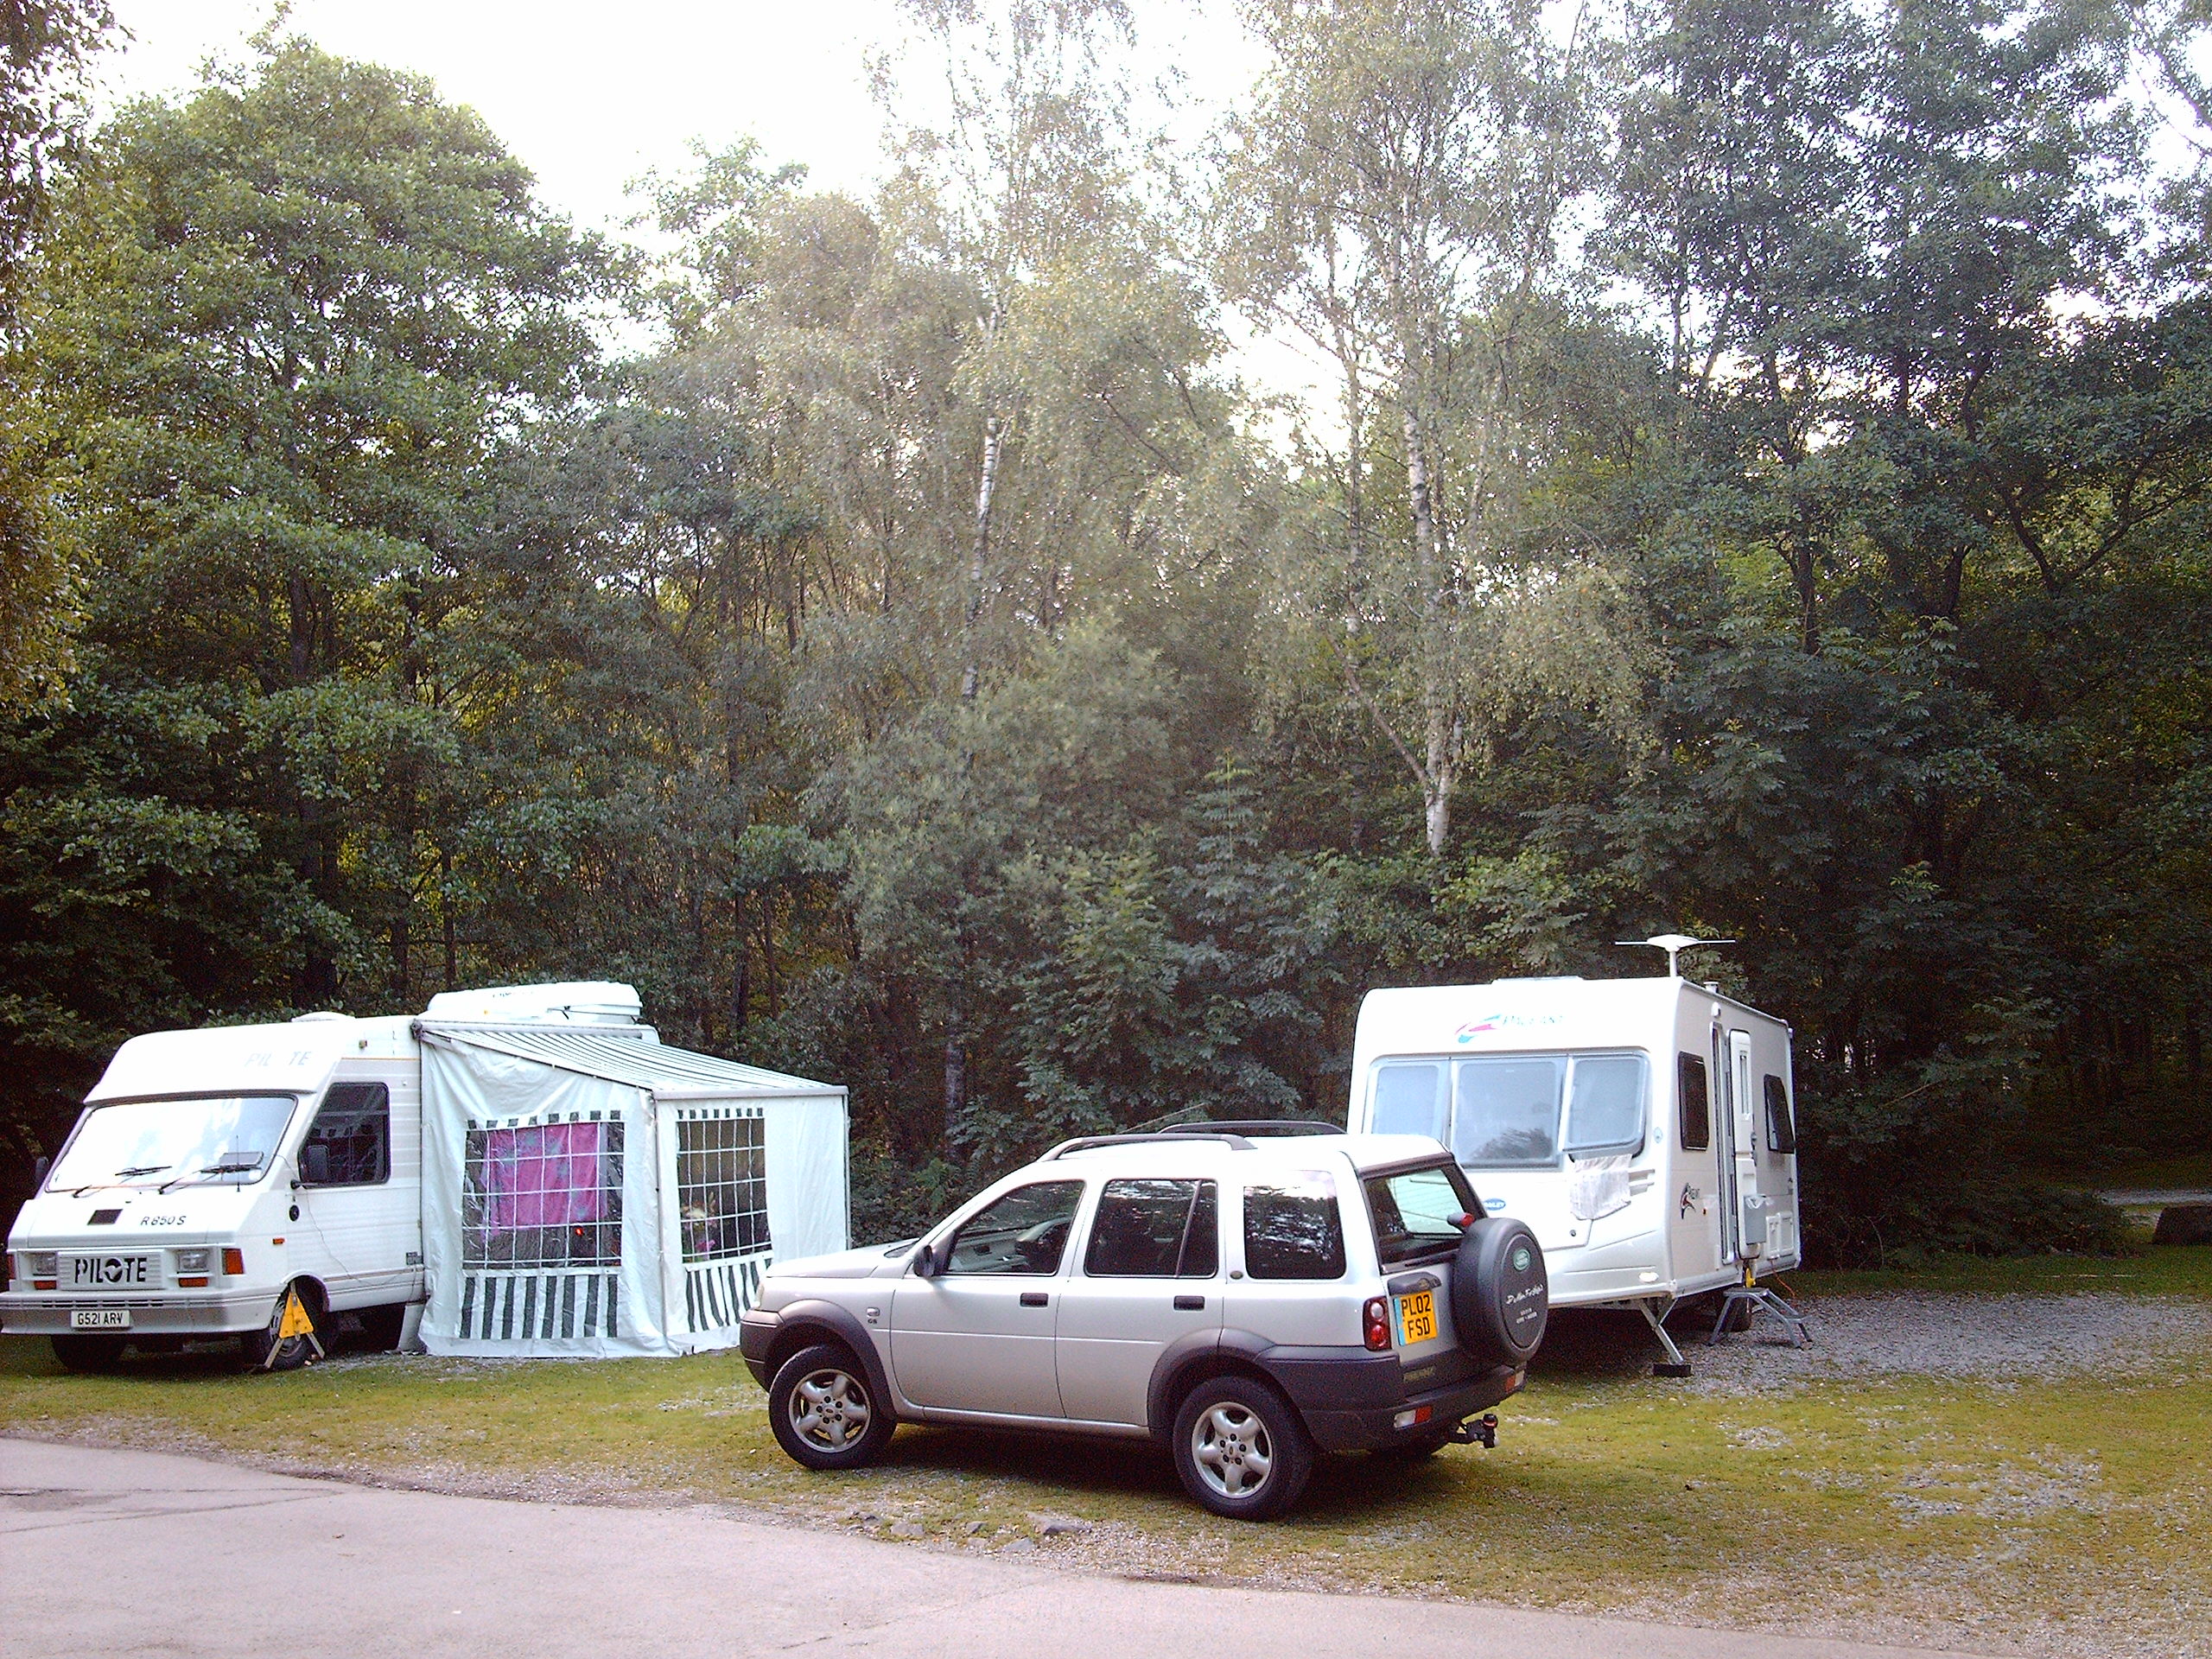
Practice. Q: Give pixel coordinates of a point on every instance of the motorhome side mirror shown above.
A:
(39, 1169)
(314, 1163)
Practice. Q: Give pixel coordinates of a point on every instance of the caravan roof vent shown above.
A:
(319, 1015)
(577, 1002)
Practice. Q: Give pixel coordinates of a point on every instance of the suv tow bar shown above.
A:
(1478, 1431)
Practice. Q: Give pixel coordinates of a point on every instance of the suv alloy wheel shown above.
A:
(1241, 1450)
(822, 1413)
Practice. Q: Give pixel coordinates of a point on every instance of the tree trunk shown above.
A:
(987, 485)
(1442, 729)
(956, 1081)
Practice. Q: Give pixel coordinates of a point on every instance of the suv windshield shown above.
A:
(164, 1143)
(1412, 1210)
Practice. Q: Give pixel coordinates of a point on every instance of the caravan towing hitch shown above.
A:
(1478, 1431)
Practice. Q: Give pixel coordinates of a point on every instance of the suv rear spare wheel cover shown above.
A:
(1501, 1296)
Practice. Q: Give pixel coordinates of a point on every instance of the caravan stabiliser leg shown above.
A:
(1478, 1431)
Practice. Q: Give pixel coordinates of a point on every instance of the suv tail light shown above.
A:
(1376, 1319)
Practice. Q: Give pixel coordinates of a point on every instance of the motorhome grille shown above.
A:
(717, 1294)
(538, 1306)
(543, 1193)
(721, 1182)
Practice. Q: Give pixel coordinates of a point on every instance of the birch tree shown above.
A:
(1398, 196)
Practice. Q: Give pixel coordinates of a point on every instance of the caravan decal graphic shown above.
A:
(1489, 1022)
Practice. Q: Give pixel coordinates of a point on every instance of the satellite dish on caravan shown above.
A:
(1673, 945)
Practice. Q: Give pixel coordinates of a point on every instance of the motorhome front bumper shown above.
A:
(27, 1314)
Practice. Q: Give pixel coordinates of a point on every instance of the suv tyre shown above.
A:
(1500, 1296)
(823, 1413)
(1241, 1450)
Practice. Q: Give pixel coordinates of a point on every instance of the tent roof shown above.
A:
(670, 1073)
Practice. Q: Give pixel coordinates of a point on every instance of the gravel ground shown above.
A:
(1990, 1339)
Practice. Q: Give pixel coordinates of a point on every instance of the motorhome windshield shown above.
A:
(208, 1140)
(1517, 1111)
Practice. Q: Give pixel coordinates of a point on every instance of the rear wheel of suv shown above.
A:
(1241, 1450)
(823, 1413)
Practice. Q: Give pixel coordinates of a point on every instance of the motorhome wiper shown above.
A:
(142, 1169)
(212, 1169)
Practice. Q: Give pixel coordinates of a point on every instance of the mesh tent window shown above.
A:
(545, 1195)
(721, 1180)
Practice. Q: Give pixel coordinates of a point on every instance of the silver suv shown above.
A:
(1247, 1296)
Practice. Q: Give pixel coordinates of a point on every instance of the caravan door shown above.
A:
(1747, 1212)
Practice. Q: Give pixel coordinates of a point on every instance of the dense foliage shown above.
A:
(1759, 490)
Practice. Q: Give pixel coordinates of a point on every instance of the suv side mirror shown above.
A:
(314, 1163)
(926, 1262)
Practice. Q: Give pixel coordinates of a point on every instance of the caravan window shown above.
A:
(1605, 1105)
(542, 1196)
(1695, 1106)
(1781, 1122)
(1409, 1099)
(1507, 1111)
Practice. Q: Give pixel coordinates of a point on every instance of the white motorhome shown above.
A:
(1644, 1128)
(576, 1188)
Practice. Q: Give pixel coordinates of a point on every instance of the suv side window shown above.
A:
(354, 1129)
(1161, 1230)
(1024, 1232)
(1292, 1229)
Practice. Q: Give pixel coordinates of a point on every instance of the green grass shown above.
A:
(2062, 1517)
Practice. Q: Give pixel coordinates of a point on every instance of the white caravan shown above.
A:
(263, 1181)
(1643, 1128)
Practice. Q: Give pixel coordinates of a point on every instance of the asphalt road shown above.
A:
(132, 1553)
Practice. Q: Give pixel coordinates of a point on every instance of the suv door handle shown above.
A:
(1189, 1303)
(1034, 1298)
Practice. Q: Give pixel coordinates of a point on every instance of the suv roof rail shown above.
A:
(1234, 1133)
(1195, 1132)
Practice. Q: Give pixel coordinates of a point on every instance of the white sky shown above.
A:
(592, 96)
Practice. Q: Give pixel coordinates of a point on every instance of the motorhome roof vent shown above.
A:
(1539, 979)
(319, 1015)
(576, 1002)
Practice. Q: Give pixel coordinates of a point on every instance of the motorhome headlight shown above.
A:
(43, 1264)
(192, 1260)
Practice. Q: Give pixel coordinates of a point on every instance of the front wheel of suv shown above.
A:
(823, 1413)
(1241, 1450)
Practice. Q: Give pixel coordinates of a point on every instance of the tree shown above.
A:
(287, 329)
(1399, 195)
(44, 47)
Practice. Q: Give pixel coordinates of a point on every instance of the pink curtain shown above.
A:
(544, 1177)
